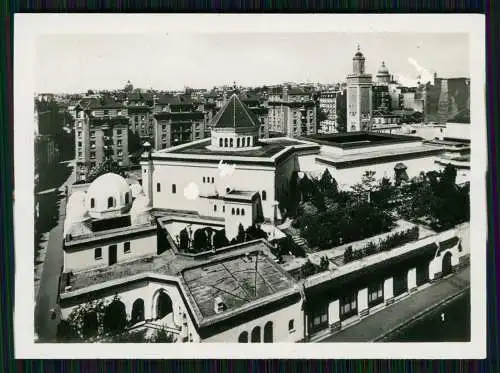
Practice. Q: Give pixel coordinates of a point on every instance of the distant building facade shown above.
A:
(359, 96)
(292, 112)
(328, 104)
(101, 132)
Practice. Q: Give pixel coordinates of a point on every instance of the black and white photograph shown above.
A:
(250, 180)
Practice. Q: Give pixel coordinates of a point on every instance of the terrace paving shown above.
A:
(237, 281)
(166, 263)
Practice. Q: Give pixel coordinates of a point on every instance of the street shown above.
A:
(395, 316)
(45, 327)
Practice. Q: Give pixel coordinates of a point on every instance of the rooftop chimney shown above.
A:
(219, 305)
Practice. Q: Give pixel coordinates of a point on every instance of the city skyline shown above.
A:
(76, 63)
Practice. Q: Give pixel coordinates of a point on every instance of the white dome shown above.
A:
(108, 195)
(136, 189)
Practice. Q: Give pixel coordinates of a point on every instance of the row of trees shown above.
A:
(328, 217)
(206, 239)
(388, 243)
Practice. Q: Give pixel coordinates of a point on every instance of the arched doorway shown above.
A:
(268, 332)
(243, 338)
(137, 311)
(163, 305)
(256, 334)
(447, 268)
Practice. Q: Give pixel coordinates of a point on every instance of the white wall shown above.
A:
(349, 176)
(148, 292)
(82, 259)
(457, 131)
(247, 178)
(280, 321)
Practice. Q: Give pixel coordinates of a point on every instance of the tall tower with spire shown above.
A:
(359, 96)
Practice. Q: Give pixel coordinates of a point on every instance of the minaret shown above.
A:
(359, 96)
(147, 173)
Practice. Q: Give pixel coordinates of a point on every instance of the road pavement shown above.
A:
(374, 326)
(45, 327)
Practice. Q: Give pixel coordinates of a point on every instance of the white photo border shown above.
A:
(27, 27)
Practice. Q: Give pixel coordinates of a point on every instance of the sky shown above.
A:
(68, 63)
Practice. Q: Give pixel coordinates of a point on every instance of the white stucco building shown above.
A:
(126, 240)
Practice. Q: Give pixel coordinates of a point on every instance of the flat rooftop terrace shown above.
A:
(236, 281)
(166, 263)
(353, 140)
(264, 149)
(382, 155)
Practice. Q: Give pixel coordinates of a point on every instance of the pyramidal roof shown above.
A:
(235, 114)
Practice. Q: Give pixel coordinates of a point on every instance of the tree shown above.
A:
(328, 185)
(294, 196)
(383, 193)
(363, 190)
(220, 239)
(183, 240)
(306, 187)
(200, 240)
(324, 263)
(115, 317)
(255, 232)
(66, 332)
(241, 234)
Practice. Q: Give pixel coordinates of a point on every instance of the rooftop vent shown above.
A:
(219, 305)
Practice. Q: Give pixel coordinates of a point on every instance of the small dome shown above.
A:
(108, 193)
(136, 189)
(383, 69)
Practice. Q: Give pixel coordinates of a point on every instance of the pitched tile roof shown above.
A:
(235, 114)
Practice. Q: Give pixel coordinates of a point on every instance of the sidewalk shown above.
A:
(398, 314)
(49, 280)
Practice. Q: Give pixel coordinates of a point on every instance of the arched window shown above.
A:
(126, 198)
(137, 311)
(231, 142)
(242, 211)
(256, 334)
(225, 143)
(92, 203)
(111, 202)
(215, 207)
(237, 211)
(264, 195)
(268, 332)
(220, 143)
(213, 180)
(232, 211)
(203, 178)
(243, 338)
(238, 142)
